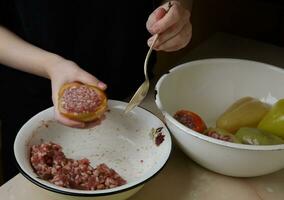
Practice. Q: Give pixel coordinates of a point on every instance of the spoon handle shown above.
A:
(152, 45)
(148, 55)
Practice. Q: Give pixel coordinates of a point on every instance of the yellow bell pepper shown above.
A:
(246, 112)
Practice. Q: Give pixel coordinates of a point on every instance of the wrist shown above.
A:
(51, 63)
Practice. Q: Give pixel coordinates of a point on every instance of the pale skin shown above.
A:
(173, 27)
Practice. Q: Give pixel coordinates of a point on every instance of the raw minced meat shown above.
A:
(81, 99)
(50, 163)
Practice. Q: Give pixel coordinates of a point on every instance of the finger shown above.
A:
(179, 41)
(89, 79)
(173, 16)
(170, 32)
(158, 14)
(55, 90)
(68, 122)
(58, 116)
(154, 17)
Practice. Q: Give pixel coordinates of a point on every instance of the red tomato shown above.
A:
(191, 120)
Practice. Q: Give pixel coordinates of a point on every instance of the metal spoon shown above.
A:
(142, 91)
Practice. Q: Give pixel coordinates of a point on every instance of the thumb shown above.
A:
(158, 14)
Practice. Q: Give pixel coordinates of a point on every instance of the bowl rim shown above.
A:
(104, 192)
(201, 136)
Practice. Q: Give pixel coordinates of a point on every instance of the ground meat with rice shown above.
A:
(50, 163)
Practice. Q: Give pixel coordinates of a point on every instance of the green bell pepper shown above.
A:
(255, 136)
(273, 121)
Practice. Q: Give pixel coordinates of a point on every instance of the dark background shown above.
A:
(260, 20)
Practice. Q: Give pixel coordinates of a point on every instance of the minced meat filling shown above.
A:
(81, 99)
(50, 163)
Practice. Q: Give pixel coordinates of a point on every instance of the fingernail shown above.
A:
(156, 48)
(102, 85)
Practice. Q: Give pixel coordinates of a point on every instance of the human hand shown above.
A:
(174, 27)
(63, 71)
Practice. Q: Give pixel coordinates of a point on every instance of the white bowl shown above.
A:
(207, 87)
(123, 142)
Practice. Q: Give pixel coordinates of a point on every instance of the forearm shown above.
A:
(18, 54)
